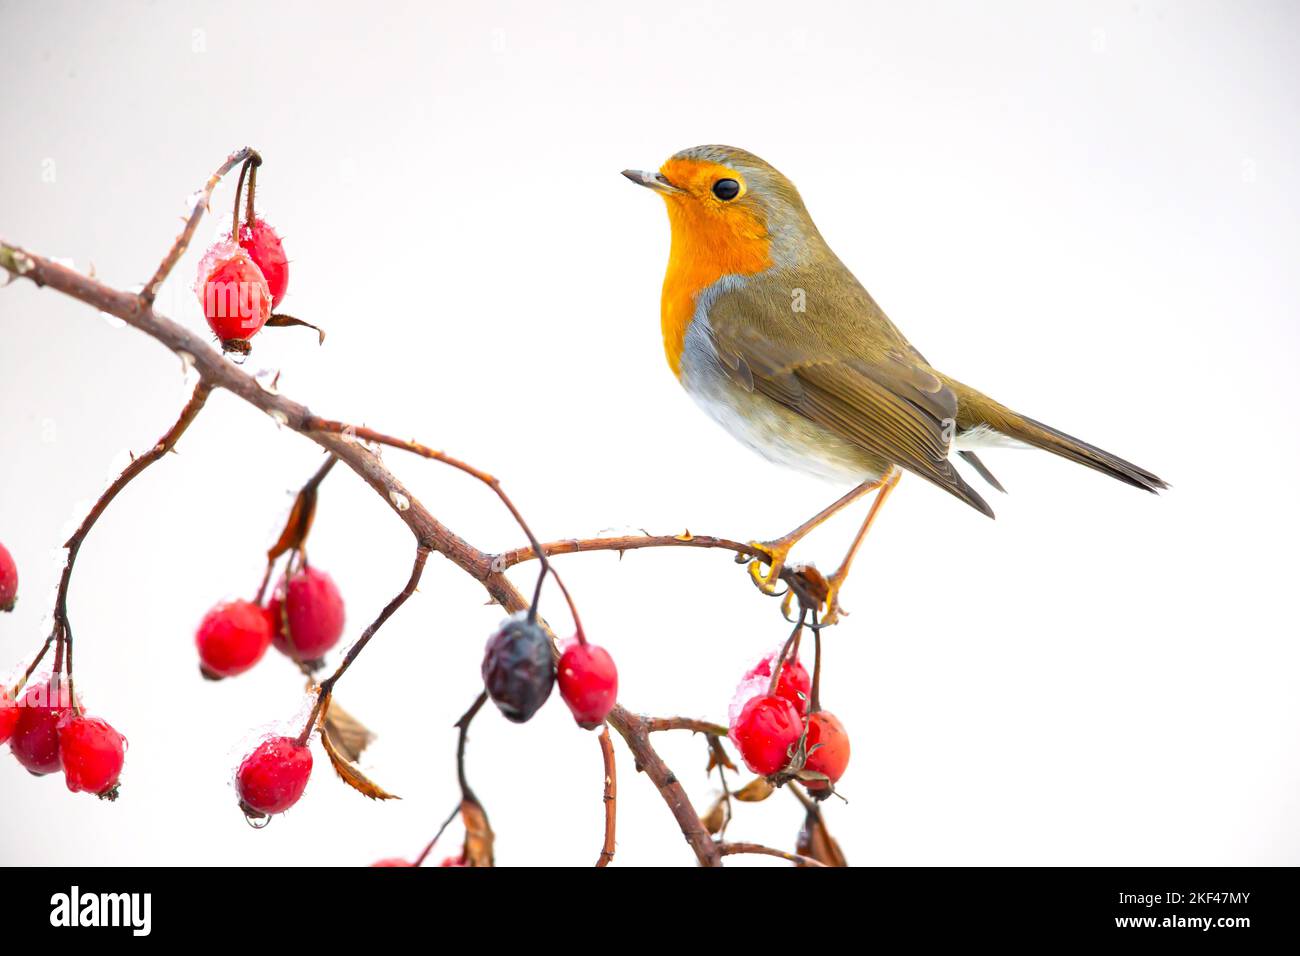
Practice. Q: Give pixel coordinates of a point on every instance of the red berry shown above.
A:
(588, 683)
(263, 246)
(454, 861)
(392, 861)
(93, 753)
(232, 638)
(518, 671)
(832, 757)
(765, 731)
(8, 580)
(794, 684)
(273, 776)
(35, 740)
(233, 293)
(9, 714)
(314, 609)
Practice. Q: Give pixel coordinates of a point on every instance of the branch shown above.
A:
(217, 372)
(730, 849)
(62, 629)
(611, 798)
(656, 724)
(631, 542)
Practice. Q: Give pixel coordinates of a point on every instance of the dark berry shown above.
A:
(518, 670)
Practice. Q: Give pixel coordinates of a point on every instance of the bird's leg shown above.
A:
(779, 549)
(834, 582)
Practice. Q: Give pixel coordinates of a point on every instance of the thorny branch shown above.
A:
(611, 798)
(344, 442)
(730, 849)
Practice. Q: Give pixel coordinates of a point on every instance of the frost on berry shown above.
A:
(518, 670)
(273, 777)
(263, 246)
(93, 754)
(311, 606)
(232, 638)
(234, 295)
(35, 739)
(793, 682)
(765, 732)
(588, 683)
(8, 580)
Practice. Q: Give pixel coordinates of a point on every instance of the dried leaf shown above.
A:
(755, 791)
(815, 841)
(350, 737)
(349, 771)
(718, 755)
(280, 320)
(716, 818)
(478, 834)
(296, 528)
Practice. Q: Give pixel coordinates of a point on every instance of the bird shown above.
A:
(776, 340)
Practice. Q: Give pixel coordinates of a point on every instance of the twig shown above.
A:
(429, 532)
(633, 542)
(654, 725)
(463, 726)
(731, 849)
(327, 685)
(428, 847)
(62, 628)
(611, 798)
(183, 240)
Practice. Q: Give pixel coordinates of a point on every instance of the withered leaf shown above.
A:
(479, 838)
(349, 735)
(280, 320)
(347, 770)
(755, 791)
(815, 841)
(295, 530)
(718, 755)
(716, 818)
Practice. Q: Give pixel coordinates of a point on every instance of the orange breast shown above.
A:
(706, 246)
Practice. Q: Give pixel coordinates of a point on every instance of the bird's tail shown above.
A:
(975, 409)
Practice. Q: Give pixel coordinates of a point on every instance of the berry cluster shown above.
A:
(48, 731)
(519, 671)
(780, 734)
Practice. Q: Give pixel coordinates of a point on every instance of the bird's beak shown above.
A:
(654, 181)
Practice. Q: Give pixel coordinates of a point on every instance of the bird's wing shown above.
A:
(886, 401)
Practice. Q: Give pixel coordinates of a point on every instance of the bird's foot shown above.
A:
(777, 551)
(831, 610)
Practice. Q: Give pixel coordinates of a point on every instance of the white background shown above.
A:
(1087, 210)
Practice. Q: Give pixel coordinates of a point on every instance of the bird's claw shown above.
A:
(767, 583)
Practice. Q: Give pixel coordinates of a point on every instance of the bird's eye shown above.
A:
(726, 189)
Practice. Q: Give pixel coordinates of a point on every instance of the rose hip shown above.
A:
(314, 611)
(9, 713)
(93, 753)
(832, 756)
(272, 778)
(263, 246)
(35, 739)
(765, 731)
(588, 683)
(233, 292)
(518, 671)
(232, 638)
(8, 580)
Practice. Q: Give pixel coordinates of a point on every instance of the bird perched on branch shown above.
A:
(774, 337)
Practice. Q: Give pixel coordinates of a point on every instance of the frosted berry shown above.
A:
(588, 683)
(263, 246)
(8, 580)
(794, 684)
(832, 756)
(765, 731)
(92, 753)
(314, 611)
(9, 713)
(35, 739)
(234, 295)
(392, 861)
(273, 776)
(518, 670)
(232, 638)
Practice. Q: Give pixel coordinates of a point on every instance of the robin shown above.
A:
(774, 337)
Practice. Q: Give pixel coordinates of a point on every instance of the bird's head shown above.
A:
(728, 204)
